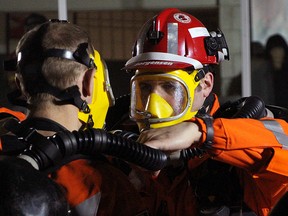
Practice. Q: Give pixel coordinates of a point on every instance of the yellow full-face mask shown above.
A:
(160, 99)
(102, 97)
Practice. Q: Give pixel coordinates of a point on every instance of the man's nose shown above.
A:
(157, 89)
(158, 106)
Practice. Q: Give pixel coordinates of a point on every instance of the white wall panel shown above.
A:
(48, 5)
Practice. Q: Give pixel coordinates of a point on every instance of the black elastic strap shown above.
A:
(80, 55)
(72, 95)
(208, 102)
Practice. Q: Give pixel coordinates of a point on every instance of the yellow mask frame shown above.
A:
(187, 79)
(102, 97)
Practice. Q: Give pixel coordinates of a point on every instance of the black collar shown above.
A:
(43, 124)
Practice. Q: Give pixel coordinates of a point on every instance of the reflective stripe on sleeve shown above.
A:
(277, 130)
(88, 207)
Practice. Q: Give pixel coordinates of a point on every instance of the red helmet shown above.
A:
(176, 40)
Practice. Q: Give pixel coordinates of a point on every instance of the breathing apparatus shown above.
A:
(49, 152)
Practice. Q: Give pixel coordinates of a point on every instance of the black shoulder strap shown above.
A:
(25, 133)
(11, 145)
(4, 115)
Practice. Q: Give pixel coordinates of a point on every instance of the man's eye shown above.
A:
(145, 87)
(168, 86)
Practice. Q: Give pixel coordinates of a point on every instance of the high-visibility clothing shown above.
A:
(19, 115)
(256, 151)
(259, 150)
(95, 186)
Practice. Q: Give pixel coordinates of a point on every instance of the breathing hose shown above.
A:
(92, 142)
(253, 107)
(45, 152)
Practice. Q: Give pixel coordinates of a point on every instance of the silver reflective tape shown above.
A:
(198, 32)
(277, 130)
(88, 207)
(172, 43)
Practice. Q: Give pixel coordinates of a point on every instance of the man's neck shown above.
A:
(65, 115)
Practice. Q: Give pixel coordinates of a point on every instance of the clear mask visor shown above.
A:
(158, 97)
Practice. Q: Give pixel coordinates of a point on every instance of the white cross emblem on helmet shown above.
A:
(182, 18)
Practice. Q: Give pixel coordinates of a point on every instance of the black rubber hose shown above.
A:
(254, 107)
(97, 141)
(120, 147)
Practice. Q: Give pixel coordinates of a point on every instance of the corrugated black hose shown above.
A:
(92, 142)
(97, 141)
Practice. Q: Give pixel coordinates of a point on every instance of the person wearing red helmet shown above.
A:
(219, 166)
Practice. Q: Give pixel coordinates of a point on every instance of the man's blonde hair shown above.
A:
(58, 72)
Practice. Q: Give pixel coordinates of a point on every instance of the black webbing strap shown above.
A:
(209, 102)
(34, 140)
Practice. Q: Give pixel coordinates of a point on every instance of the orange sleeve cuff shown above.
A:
(276, 164)
(202, 127)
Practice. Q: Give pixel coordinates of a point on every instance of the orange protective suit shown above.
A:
(6, 112)
(255, 151)
(96, 186)
(93, 186)
(260, 155)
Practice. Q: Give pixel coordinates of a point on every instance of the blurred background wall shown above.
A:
(113, 26)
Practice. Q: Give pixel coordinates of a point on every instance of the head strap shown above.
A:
(80, 55)
(33, 64)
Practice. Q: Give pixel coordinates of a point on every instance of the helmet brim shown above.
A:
(158, 60)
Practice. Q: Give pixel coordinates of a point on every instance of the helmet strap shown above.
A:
(207, 104)
(201, 73)
(72, 95)
(90, 122)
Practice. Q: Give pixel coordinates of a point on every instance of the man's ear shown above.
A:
(87, 82)
(207, 84)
